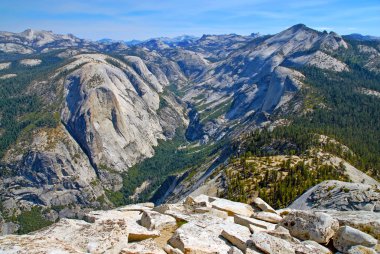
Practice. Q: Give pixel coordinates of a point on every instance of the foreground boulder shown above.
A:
(232, 207)
(263, 205)
(191, 238)
(308, 247)
(316, 226)
(347, 237)
(248, 222)
(196, 226)
(268, 216)
(198, 201)
(143, 247)
(341, 196)
(283, 233)
(136, 232)
(76, 235)
(32, 244)
(361, 250)
(238, 236)
(271, 244)
(365, 221)
(154, 220)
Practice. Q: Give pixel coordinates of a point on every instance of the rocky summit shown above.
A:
(200, 224)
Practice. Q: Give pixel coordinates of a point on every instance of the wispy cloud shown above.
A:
(127, 19)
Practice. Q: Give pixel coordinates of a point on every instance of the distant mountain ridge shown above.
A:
(100, 124)
(361, 37)
(167, 40)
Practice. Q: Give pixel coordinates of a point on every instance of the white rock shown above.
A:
(238, 236)
(268, 216)
(154, 220)
(263, 205)
(255, 229)
(7, 76)
(30, 62)
(316, 226)
(15, 48)
(4, 66)
(361, 250)
(346, 237)
(103, 236)
(124, 126)
(284, 234)
(191, 238)
(232, 207)
(362, 220)
(137, 207)
(130, 218)
(271, 244)
(178, 211)
(309, 247)
(143, 247)
(212, 211)
(199, 201)
(246, 221)
(31, 244)
(321, 60)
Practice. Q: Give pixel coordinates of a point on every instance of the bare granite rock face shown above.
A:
(155, 220)
(110, 119)
(272, 244)
(347, 237)
(316, 226)
(112, 111)
(343, 196)
(368, 222)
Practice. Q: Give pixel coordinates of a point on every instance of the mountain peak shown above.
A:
(299, 28)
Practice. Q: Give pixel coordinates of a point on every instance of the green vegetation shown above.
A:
(208, 115)
(279, 187)
(181, 223)
(168, 160)
(21, 110)
(349, 117)
(117, 198)
(175, 90)
(336, 109)
(257, 171)
(31, 220)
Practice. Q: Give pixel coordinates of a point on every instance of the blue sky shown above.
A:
(142, 19)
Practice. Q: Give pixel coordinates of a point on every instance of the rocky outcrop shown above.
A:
(232, 208)
(129, 230)
(111, 112)
(143, 247)
(337, 195)
(320, 60)
(111, 119)
(317, 226)
(4, 66)
(267, 216)
(368, 222)
(155, 220)
(30, 62)
(347, 237)
(271, 244)
(54, 172)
